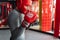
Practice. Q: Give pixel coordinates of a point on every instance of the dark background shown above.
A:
(6, 0)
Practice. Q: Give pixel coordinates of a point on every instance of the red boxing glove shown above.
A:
(29, 18)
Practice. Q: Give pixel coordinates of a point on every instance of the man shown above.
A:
(20, 18)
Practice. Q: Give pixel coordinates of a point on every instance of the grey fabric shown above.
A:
(18, 34)
(15, 19)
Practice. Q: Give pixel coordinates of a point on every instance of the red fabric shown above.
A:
(57, 19)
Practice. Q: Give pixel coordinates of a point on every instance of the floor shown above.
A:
(30, 35)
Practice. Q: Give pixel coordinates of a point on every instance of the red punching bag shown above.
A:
(46, 15)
